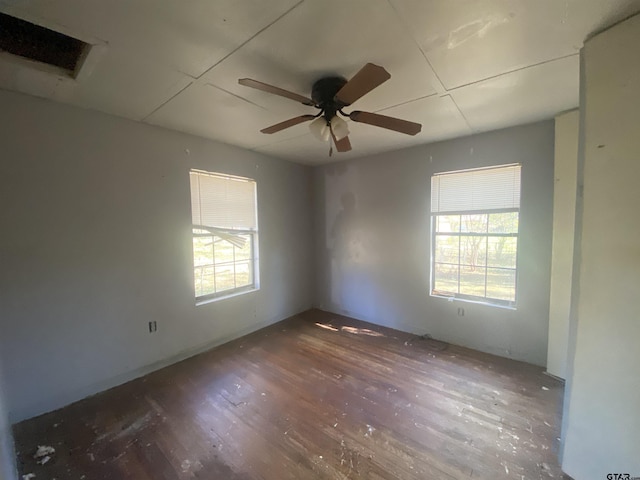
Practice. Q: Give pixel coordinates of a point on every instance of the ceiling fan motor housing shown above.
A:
(323, 93)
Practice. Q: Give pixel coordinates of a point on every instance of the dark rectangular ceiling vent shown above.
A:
(40, 44)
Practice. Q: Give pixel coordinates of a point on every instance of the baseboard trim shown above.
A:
(555, 377)
(61, 401)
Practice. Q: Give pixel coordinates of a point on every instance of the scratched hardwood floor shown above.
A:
(317, 396)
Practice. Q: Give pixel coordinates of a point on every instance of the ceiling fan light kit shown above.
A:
(339, 127)
(330, 95)
(320, 129)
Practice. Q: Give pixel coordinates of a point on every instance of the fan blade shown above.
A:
(342, 145)
(390, 123)
(248, 82)
(287, 123)
(369, 77)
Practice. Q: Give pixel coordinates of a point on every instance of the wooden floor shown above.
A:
(316, 396)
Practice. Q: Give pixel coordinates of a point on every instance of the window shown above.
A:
(225, 231)
(474, 224)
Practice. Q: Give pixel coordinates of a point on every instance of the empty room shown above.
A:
(304, 239)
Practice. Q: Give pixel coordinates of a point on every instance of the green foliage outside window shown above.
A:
(475, 255)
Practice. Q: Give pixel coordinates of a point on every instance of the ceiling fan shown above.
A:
(330, 95)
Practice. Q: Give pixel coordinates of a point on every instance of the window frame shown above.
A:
(485, 300)
(202, 231)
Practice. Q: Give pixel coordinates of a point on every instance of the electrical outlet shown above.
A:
(153, 326)
(460, 312)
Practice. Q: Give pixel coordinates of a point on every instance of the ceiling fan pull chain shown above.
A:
(330, 149)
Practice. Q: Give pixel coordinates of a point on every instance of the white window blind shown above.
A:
(482, 189)
(223, 201)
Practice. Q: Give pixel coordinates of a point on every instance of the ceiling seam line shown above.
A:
(544, 62)
(266, 145)
(466, 121)
(236, 96)
(249, 39)
(440, 88)
(411, 101)
(144, 119)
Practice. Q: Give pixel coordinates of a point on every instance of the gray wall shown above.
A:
(96, 242)
(7, 456)
(373, 260)
(564, 223)
(601, 421)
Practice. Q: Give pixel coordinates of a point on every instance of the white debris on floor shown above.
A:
(43, 451)
(370, 431)
(361, 331)
(327, 327)
(43, 455)
(28, 476)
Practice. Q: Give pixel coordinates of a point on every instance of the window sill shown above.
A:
(206, 300)
(477, 302)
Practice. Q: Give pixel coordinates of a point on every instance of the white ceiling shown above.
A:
(457, 66)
